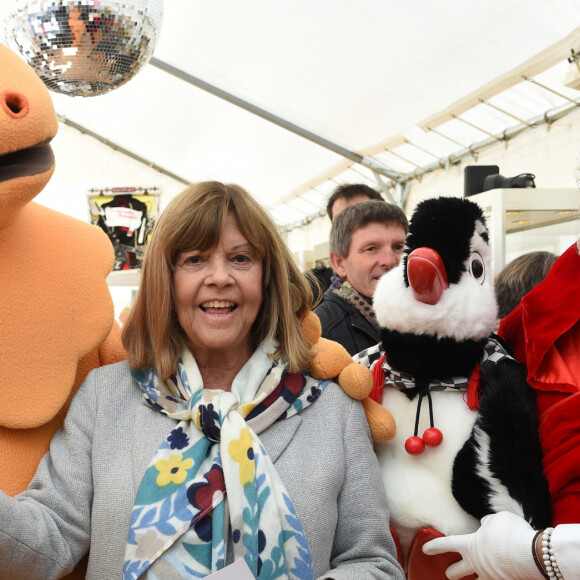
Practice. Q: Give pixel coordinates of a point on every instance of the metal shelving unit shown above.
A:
(527, 219)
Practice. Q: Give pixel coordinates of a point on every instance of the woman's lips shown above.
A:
(218, 307)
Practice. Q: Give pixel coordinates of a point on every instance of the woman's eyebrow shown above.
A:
(241, 245)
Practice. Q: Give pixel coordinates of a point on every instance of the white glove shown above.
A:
(501, 549)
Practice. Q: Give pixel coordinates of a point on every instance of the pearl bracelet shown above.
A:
(535, 550)
(548, 556)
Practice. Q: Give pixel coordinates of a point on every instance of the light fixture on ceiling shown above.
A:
(572, 78)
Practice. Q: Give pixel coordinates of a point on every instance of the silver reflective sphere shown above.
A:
(84, 47)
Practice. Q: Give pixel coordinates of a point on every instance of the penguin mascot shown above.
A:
(467, 430)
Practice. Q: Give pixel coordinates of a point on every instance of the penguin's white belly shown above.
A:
(419, 486)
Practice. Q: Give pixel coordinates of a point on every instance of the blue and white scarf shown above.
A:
(179, 524)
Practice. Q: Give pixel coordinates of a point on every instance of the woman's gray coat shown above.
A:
(82, 495)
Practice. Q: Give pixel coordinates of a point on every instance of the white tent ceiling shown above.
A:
(404, 85)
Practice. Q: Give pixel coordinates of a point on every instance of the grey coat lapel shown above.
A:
(278, 436)
(150, 428)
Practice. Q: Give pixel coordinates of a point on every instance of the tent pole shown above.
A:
(368, 162)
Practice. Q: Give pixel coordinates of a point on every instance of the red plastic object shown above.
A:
(400, 555)
(427, 275)
(414, 445)
(432, 437)
(423, 567)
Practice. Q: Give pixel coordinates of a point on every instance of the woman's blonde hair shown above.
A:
(193, 220)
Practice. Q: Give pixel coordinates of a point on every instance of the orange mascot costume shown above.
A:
(56, 312)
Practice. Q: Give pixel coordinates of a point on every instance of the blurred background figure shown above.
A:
(366, 241)
(349, 194)
(322, 276)
(518, 277)
(320, 279)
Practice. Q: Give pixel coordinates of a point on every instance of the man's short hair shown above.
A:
(349, 191)
(359, 215)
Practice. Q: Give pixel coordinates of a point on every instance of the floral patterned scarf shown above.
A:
(179, 525)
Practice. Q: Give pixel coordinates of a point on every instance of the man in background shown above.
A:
(366, 241)
(349, 194)
(342, 197)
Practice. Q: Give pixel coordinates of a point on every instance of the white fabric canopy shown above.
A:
(364, 75)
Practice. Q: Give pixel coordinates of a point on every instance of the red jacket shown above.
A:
(544, 333)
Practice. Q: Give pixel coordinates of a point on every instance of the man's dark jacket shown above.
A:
(344, 324)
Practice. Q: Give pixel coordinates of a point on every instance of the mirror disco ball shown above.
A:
(84, 47)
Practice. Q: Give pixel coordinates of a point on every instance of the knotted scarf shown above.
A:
(179, 525)
(358, 302)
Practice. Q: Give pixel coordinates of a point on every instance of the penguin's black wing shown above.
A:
(500, 466)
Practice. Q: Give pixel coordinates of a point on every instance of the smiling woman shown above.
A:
(219, 234)
(212, 444)
(218, 294)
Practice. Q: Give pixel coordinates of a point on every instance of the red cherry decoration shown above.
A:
(432, 437)
(414, 445)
